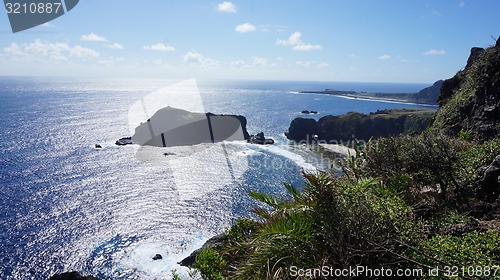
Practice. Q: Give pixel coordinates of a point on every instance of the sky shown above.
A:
(408, 41)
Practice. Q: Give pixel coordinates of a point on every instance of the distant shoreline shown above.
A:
(405, 98)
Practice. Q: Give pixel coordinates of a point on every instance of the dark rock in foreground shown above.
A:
(360, 126)
(213, 243)
(489, 180)
(124, 141)
(72, 276)
(260, 139)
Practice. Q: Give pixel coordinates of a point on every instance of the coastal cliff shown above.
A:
(470, 101)
(360, 126)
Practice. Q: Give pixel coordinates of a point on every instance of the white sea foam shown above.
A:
(139, 258)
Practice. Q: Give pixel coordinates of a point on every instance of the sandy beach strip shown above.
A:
(338, 149)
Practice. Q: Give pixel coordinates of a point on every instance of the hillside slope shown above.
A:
(470, 101)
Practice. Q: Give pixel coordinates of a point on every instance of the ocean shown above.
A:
(67, 206)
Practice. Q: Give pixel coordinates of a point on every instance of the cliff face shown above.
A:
(470, 101)
(359, 126)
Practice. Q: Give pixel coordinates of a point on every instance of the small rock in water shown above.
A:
(260, 139)
(124, 141)
(157, 257)
(97, 146)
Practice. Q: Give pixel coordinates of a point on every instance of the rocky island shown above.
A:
(354, 125)
(170, 127)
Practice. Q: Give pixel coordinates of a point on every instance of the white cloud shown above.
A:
(259, 61)
(194, 58)
(244, 28)
(461, 5)
(435, 52)
(110, 61)
(92, 37)
(307, 47)
(80, 51)
(297, 43)
(323, 65)
(115, 46)
(13, 49)
(305, 64)
(238, 63)
(159, 47)
(39, 50)
(294, 39)
(227, 7)
(308, 64)
(384, 57)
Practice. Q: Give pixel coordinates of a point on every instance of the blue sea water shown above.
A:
(65, 205)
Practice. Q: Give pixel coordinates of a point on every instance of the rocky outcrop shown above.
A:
(308, 112)
(489, 180)
(124, 141)
(470, 101)
(302, 129)
(260, 139)
(213, 243)
(360, 126)
(176, 127)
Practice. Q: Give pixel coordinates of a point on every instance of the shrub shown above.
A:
(477, 253)
(429, 159)
(210, 264)
(338, 222)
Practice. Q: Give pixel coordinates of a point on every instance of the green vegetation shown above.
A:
(392, 208)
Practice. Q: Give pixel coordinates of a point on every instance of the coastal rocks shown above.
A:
(489, 180)
(260, 139)
(360, 126)
(176, 127)
(307, 112)
(170, 127)
(157, 257)
(213, 243)
(72, 276)
(124, 141)
(302, 129)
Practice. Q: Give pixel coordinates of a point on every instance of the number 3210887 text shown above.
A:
(32, 8)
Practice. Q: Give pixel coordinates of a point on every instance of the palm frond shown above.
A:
(268, 199)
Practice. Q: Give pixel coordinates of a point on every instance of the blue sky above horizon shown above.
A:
(327, 40)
